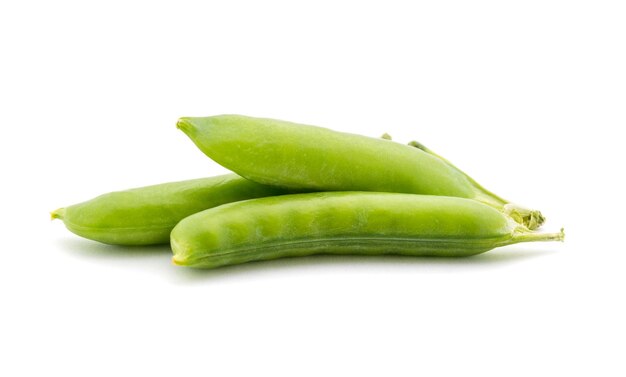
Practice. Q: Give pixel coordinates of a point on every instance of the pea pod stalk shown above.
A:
(298, 156)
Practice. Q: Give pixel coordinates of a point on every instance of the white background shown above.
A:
(528, 97)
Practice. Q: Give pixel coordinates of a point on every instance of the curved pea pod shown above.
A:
(360, 223)
(299, 156)
(147, 215)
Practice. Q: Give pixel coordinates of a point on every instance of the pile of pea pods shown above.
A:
(300, 190)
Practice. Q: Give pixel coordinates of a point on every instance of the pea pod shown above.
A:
(344, 223)
(286, 154)
(147, 215)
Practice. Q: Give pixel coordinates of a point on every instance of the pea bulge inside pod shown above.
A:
(360, 223)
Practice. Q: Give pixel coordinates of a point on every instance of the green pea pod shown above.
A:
(361, 223)
(286, 154)
(147, 215)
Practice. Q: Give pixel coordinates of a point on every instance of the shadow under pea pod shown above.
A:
(139, 256)
(393, 263)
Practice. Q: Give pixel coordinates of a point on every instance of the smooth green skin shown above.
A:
(147, 215)
(286, 154)
(361, 223)
(280, 153)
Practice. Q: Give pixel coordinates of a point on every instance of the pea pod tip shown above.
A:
(185, 125)
(178, 261)
(57, 214)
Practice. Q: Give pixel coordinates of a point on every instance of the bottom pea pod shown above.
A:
(357, 223)
(147, 215)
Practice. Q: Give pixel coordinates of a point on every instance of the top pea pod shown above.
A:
(297, 156)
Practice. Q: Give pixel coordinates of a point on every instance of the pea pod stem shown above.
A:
(523, 235)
